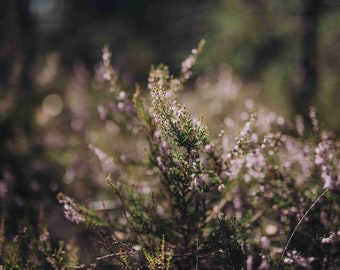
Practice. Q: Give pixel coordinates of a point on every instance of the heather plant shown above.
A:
(262, 194)
(174, 194)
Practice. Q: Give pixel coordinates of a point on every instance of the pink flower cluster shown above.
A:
(71, 210)
(187, 65)
(325, 159)
(293, 257)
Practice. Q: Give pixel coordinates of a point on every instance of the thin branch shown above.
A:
(300, 221)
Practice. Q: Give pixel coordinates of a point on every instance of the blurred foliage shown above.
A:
(28, 250)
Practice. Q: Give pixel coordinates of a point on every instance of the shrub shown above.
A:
(260, 194)
(195, 202)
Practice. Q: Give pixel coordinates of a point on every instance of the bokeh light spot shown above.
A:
(52, 105)
(271, 229)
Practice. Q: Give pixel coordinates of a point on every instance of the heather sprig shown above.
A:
(160, 259)
(327, 159)
(175, 123)
(188, 63)
(72, 211)
(117, 105)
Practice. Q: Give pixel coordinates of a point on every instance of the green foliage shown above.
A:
(230, 252)
(160, 259)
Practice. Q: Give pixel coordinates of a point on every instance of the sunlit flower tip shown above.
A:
(160, 164)
(315, 122)
(106, 54)
(209, 148)
(288, 261)
(121, 106)
(221, 187)
(44, 236)
(328, 240)
(187, 75)
(151, 79)
(176, 82)
(107, 76)
(122, 95)
(180, 112)
(197, 123)
(188, 63)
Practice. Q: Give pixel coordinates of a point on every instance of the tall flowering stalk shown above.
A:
(178, 145)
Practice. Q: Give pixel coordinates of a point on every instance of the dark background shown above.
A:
(290, 49)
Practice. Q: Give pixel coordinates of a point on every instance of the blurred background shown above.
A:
(287, 52)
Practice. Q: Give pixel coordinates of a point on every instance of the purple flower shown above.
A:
(198, 181)
(71, 211)
(328, 240)
(209, 148)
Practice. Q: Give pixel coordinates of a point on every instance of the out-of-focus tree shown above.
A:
(309, 63)
(281, 49)
(28, 177)
(284, 49)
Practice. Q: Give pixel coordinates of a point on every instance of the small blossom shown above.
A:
(198, 181)
(328, 240)
(121, 106)
(209, 148)
(186, 66)
(295, 257)
(315, 122)
(161, 164)
(109, 73)
(264, 264)
(221, 187)
(325, 160)
(43, 237)
(180, 113)
(122, 95)
(288, 261)
(299, 124)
